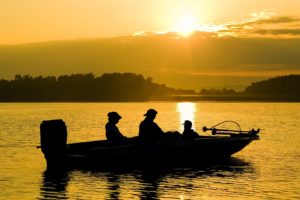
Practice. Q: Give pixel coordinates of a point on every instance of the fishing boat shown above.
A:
(58, 153)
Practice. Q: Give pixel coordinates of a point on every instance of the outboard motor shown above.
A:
(54, 142)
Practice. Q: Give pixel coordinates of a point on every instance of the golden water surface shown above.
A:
(266, 169)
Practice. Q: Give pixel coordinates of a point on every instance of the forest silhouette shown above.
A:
(134, 87)
(281, 88)
(85, 87)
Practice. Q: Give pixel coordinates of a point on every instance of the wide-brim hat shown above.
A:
(114, 115)
(150, 112)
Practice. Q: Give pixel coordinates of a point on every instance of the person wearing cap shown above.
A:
(188, 132)
(149, 131)
(112, 132)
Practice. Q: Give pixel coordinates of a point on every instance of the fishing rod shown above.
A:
(229, 131)
(216, 131)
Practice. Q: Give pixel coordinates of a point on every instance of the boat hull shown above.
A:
(177, 152)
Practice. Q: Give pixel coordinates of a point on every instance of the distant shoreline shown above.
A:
(236, 98)
(184, 98)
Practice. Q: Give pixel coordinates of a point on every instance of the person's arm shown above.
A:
(195, 134)
(159, 129)
(119, 134)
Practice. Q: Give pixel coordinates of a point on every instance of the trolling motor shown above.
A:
(232, 133)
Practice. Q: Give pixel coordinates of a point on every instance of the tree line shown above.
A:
(85, 87)
(134, 87)
(280, 88)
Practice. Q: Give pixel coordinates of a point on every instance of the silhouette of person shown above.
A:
(188, 132)
(112, 132)
(149, 131)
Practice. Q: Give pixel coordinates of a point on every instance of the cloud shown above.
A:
(262, 15)
(264, 26)
(274, 20)
(295, 32)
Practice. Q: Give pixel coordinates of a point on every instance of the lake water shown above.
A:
(266, 169)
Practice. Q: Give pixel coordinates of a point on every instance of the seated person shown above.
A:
(188, 132)
(112, 132)
(149, 131)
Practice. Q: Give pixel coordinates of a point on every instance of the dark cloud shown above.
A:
(295, 32)
(274, 20)
(281, 26)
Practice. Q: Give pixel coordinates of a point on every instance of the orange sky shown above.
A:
(183, 43)
(26, 21)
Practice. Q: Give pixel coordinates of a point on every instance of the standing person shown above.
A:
(112, 132)
(149, 131)
(188, 132)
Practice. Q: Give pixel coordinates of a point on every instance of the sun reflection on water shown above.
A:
(186, 111)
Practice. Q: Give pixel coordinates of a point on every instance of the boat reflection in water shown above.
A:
(141, 183)
(54, 185)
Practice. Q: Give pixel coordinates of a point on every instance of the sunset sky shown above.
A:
(188, 43)
(25, 21)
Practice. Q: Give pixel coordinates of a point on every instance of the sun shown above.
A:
(185, 26)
